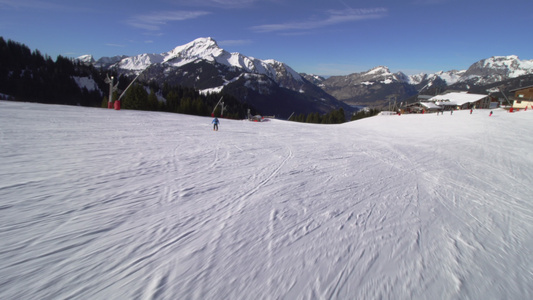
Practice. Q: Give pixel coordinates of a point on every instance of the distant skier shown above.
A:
(490, 115)
(215, 124)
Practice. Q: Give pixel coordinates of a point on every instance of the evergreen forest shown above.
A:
(30, 76)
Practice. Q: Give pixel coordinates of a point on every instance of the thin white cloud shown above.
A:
(154, 21)
(333, 17)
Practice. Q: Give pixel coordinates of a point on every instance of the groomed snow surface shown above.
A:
(105, 204)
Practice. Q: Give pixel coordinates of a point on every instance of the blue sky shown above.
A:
(334, 37)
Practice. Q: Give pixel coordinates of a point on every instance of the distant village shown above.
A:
(454, 100)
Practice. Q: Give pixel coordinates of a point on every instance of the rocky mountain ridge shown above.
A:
(275, 88)
(379, 83)
(269, 85)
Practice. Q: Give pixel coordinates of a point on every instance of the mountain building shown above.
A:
(461, 100)
(523, 97)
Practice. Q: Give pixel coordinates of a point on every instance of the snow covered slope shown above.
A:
(104, 204)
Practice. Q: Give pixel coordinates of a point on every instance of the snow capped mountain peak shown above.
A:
(199, 48)
(226, 67)
(417, 78)
(203, 64)
(380, 70)
(86, 59)
(497, 68)
(140, 62)
(207, 41)
(499, 62)
(207, 49)
(383, 75)
(486, 71)
(106, 62)
(450, 77)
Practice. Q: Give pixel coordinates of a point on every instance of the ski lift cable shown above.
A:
(124, 92)
(217, 106)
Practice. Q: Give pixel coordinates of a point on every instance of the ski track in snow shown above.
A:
(100, 204)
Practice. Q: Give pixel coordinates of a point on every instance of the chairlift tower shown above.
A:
(395, 96)
(112, 88)
(501, 88)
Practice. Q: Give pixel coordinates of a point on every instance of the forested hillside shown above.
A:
(27, 75)
(30, 76)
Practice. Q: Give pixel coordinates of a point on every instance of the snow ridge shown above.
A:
(483, 72)
(205, 49)
(486, 71)
(497, 68)
(383, 75)
(86, 59)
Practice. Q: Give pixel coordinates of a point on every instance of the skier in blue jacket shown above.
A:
(215, 124)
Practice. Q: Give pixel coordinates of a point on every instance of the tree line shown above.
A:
(29, 76)
(333, 117)
(365, 113)
(179, 99)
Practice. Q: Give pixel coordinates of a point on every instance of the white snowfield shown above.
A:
(105, 204)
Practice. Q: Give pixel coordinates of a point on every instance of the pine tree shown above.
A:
(136, 98)
(199, 107)
(340, 116)
(185, 106)
(105, 100)
(172, 101)
(153, 102)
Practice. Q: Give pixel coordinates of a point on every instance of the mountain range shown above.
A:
(273, 87)
(376, 85)
(270, 86)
